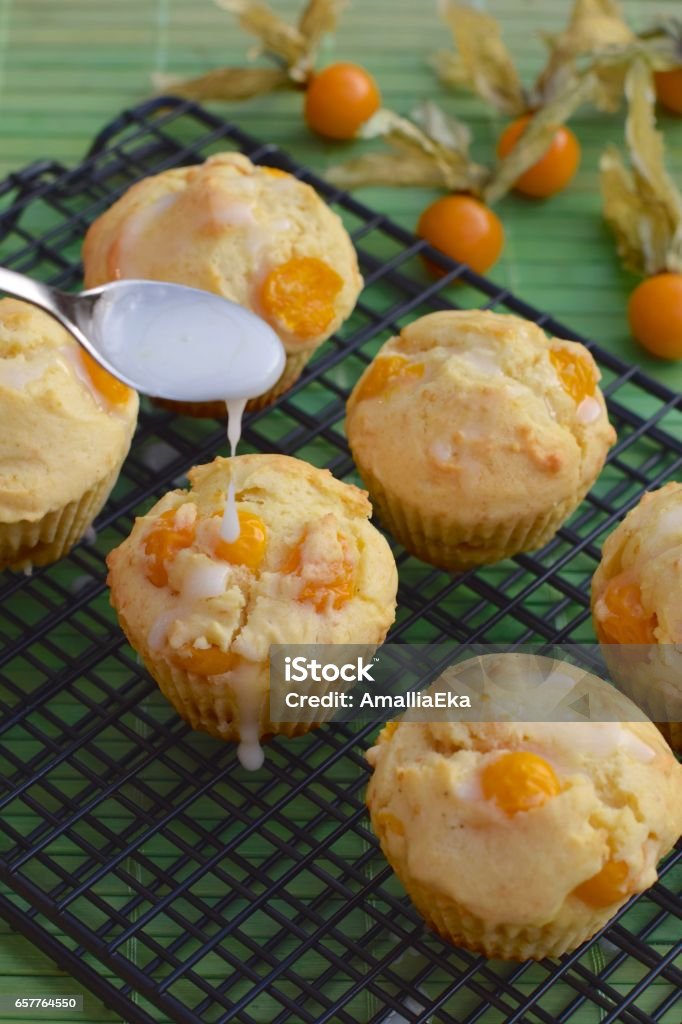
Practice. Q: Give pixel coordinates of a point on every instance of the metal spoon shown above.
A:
(164, 340)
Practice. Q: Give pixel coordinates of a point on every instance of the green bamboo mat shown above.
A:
(69, 66)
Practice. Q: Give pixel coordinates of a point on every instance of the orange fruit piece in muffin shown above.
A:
(162, 544)
(205, 661)
(300, 295)
(385, 372)
(626, 621)
(576, 374)
(519, 781)
(333, 583)
(249, 547)
(610, 885)
(110, 387)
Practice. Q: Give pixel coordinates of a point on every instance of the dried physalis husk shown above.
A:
(292, 47)
(482, 63)
(318, 19)
(627, 215)
(661, 44)
(225, 83)
(596, 31)
(642, 206)
(275, 36)
(538, 135)
(431, 148)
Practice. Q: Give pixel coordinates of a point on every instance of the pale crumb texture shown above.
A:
(485, 453)
(504, 884)
(222, 226)
(308, 514)
(60, 440)
(646, 550)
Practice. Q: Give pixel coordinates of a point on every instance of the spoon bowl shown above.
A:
(165, 340)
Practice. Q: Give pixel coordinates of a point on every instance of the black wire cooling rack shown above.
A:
(139, 855)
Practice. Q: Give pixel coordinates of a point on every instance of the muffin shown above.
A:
(66, 429)
(255, 235)
(476, 436)
(517, 840)
(637, 607)
(307, 568)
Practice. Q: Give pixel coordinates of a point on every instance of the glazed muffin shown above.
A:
(476, 437)
(66, 429)
(307, 568)
(520, 841)
(637, 606)
(255, 235)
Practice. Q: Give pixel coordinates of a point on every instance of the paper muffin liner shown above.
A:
(27, 543)
(502, 942)
(293, 368)
(459, 926)
(211, 704)
(446, 545)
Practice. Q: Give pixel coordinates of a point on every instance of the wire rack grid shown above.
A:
(138, 854)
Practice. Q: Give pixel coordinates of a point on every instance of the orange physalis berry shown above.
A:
(335, 587)
(299, 296)
(519, 781)
(669, 89)
(555, 168)
(626, 622)
(610, 885)
(575, 373)
(464, 229)
(162, 544)
(384, 372)
(655, 315)
(205, 661)
(249, 547)
(111, 388)
(340, 99)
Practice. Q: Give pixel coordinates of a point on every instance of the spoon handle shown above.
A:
(58, 304)
(22, 287)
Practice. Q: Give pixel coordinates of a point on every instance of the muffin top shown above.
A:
(253, 234)
(308, 567)
(637, 588)
(66, 423)
(471, 402)
(582, 811)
